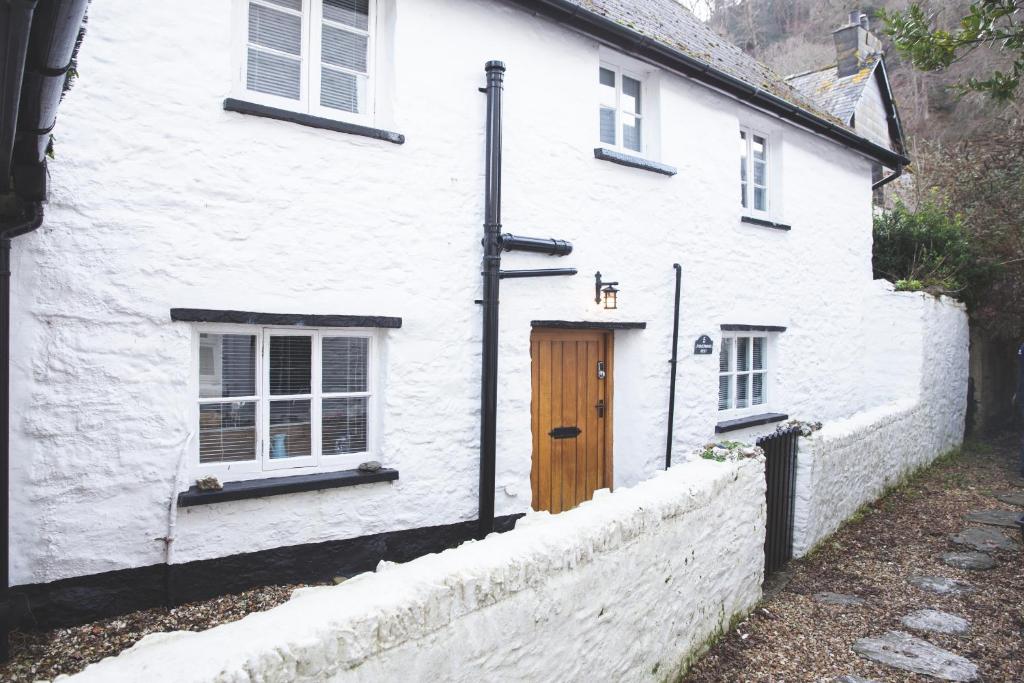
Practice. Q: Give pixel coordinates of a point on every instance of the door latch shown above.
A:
(600, 408)
(601, 373)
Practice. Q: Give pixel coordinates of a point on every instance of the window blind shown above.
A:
(274, 61)
(227, 369)
(345, 42)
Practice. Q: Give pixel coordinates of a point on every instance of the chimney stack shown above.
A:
(855, 44)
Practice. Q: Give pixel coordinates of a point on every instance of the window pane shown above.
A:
(743, 353)
(724, 383)
(278, 30)
(344, 49)
(227, 432)
(273, 74)
(760, 173)
(742, 391)
(227, 365)
(290, 429)
(344, 425)
(631, 132)
(743, 168)
(291, 361)
(631, 95)
(758, 148)
(345, 364)
(743, 195)
(355, 13)
(724, 354)
(290, 4)
(608, 125)
(607, 80)
(760, 199)
(757, 396)
(759, 353)
(339, 90)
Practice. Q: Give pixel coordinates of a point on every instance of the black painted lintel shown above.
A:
(765, 224)
(752, 328)
(206, 315)
(253, 109)
(750, 421)
(276, 486)
(588, 325)
(633, 161)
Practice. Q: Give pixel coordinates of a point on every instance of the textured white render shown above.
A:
(851, 462)
(627, 587)
(161, 199)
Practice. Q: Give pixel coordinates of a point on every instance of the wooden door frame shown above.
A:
(562, 334)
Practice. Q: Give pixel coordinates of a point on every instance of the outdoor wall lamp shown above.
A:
(606, 291)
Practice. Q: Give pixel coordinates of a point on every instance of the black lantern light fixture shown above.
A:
(605, 291)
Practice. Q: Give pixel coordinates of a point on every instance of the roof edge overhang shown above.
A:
(643, 47)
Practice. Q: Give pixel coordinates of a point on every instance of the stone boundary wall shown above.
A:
(852, 462)
(630, 586)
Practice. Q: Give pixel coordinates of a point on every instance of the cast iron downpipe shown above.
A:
(675, 359)
(888, 179)
(494, 243)
(491, 273)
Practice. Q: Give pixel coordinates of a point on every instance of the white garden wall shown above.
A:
(627, 587)
(852, 461)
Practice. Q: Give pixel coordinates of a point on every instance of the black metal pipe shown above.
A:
(537, 245)
(491, 275)
(888, 179)
(538, 272)
(675, 360)
(16, 18)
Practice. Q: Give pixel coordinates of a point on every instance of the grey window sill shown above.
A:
(765, 224)
(633, 161)
(749, 421)
(277, 486)
(252, 109)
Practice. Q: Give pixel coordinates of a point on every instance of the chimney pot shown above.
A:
(864, 22)
(855, 17)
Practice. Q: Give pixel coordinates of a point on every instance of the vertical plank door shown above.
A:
(571, 416)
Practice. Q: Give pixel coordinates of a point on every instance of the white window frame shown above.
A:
(311, 53)
(732, 411)
(620, 70)
(769, 179)
(262, 466)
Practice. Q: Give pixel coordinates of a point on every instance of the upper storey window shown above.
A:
(310, 56)
(622, 109)
(754, 175)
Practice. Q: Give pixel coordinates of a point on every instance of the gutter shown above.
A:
(888, 179)
(647, 49)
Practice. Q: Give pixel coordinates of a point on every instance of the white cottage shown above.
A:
(260, 268)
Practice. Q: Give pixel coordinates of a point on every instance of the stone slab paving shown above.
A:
(851, 678)
(985, 539)
(941, 585)
(1012, 497)
(936, 621)
(994, 517)
(903, 651)
(827, 598)
(969, 560)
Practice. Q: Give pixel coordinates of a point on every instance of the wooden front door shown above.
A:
(572, 416)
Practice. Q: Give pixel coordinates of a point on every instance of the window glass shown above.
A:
(620, 111)
(227, 365)
(275, 51)
(227, 432)
(743, 168)
(743, 370)
(354, 13)
(290, 429)
(290, 365)
(345, 425)
(345, 364)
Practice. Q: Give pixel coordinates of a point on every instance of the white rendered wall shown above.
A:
(162, 199)
(851, 462)
(626, 587)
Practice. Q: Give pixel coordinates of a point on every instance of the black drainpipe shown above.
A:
(491, 272)
(675, 359)
(494, 242)
(888, 179)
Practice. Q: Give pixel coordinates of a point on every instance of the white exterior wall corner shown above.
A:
(162, 199)
(853, 461)
(626, 587)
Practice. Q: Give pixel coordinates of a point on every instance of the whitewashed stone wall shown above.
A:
(627, 587)
(851, 462)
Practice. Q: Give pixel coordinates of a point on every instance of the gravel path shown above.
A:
(793, 637)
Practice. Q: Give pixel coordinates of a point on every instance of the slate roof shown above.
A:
(671, 24)
(839, 96)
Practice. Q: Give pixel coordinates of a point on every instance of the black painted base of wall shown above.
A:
(82, 599)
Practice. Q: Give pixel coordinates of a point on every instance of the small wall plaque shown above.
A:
(703, 346)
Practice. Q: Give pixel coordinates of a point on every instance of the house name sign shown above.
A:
(703, 346)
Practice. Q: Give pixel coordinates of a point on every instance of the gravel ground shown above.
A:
(790, 637)
(68, 650)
